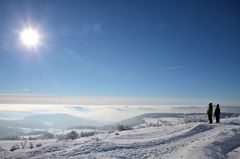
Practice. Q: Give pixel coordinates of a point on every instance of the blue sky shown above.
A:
(187, 49)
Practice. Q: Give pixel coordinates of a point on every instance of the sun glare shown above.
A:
(30, 37)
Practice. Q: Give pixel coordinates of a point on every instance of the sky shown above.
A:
(121, 52)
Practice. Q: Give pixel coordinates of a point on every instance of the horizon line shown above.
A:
(28, 98)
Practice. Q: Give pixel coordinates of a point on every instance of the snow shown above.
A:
(235, 154)
(194, 140)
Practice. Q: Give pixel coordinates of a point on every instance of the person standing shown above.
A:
(217, 114)
(209, 112)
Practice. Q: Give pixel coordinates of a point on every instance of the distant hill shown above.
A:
(134, 121)
(140, 119)
(13, 115)
(10, 128)
(61, 121)
(10, 132)
(65, 121)
(54, 121)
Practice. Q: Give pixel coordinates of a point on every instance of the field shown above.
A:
(183, 140)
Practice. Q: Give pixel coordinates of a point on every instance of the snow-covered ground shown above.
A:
(195, 140)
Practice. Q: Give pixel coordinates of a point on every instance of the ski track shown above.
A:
(188, 141)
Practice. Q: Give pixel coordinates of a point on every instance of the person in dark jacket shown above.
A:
(209, 112)
(217, 114)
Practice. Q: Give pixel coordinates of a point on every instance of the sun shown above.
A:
(30, 37)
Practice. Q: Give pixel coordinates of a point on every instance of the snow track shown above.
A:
(188, 141)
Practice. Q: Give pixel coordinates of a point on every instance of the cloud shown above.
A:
(119, 108)
(31, 107)
(79, 108)
(108, 100)
(133, 108)
(14, 115)
(146, 108)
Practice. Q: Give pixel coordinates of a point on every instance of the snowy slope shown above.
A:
(189, 141)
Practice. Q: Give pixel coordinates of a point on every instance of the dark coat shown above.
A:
(217, 112)
(209, 111)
